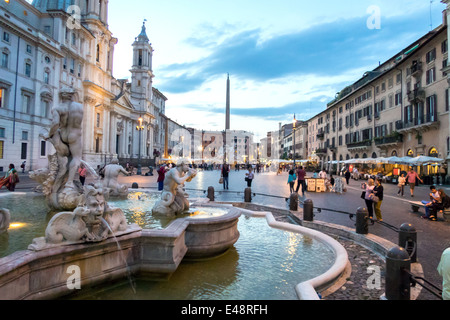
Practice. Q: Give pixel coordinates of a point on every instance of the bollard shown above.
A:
(134, 185)
(398, 284)
(308, 210)
(362, 221)
(293, 201)
(248, 195)
(210, 195)
(407, 238)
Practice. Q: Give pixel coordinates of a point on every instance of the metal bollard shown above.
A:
(362, 221)
(308, 210)
(210, 194)
(293, 201)
(398, 284)
(407, 238)
(248, 195)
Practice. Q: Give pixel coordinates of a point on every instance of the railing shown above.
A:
(388, 140)
(364, 143)
(423, 119)
(417, 94)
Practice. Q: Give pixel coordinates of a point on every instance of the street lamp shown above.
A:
(293, 132)
(139, 128)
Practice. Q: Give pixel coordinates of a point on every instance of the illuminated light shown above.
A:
(7, 1)
(17, 225)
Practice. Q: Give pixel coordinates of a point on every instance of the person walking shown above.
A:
(401, 184)
(291, 180)
(82, 173)
(368, 187)
(225, 173)
(161, 176)
(301, 174)
(23, 166)
(347, 176)
(378, 192)
(10, 179)
(411, 179)
(249, 175)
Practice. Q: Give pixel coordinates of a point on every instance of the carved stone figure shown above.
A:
(66, 136)
(5, 219)
(173, 198)
(110, 184)
(67, 226)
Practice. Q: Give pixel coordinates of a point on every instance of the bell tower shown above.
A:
(141, 70)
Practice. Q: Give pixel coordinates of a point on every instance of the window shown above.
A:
(98, 120)
(444, 46)
(398, 98)
(28, 48)
(431, 55)
(431, 75)
(2, 133)
(46, 77)
(72, 66)
(47, 59)
(74, 39)
(80, 68)
(98, 53)
(47, 30)
(1, 149)
(2, 98)
(5, 58)
(23, 153)
(444, 65)
(65, 63)
(24, 135)
(28, 69)
(45, 108)
(431, 108)
(43, 148)
(26, 103)
(6, 37)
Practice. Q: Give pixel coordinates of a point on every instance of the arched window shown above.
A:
(394, 153)
(433, 152)
(364, 156)
(410, 153)
(374, 155)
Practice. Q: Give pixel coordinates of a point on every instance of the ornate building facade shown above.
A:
(49, 45)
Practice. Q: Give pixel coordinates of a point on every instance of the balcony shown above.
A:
(416, 69)
(321, 151)
(416, 95)
(360, 145)
(320, 134)
(389, 141)
(420, 123)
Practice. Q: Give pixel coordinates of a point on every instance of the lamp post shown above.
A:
(293, 133)
(139, 128)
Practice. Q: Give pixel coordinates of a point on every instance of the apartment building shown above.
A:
(400, 108)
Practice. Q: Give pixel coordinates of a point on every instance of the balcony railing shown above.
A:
(388, 139)
(421, 120)
(416, 95)
(364, 143)
(321, 151)
(416, 68)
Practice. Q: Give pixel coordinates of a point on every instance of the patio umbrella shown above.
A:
(424, 159)
(398, 160)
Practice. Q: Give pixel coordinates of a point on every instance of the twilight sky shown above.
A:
(283, 57)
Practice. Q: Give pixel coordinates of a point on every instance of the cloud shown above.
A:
(324, 49)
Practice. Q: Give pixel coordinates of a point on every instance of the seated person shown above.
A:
(439, 206)
(435, 199)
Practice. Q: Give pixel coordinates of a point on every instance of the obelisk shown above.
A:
(227, 111)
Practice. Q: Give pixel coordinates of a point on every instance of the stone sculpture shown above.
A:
(173, 198)
(66, 136)
(110, 185)
(93, 220)
(5, 219)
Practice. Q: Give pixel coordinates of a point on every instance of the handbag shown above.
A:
(363, 195)
(374, 198)
(221, 180)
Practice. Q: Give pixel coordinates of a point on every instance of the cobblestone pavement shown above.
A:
(270, 189)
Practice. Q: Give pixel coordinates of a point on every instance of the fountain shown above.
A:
(88, 234)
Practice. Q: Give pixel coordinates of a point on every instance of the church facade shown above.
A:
(50, 45)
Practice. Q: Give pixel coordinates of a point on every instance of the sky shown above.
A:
(283, 57)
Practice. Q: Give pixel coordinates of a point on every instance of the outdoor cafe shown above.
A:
(390, 168)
